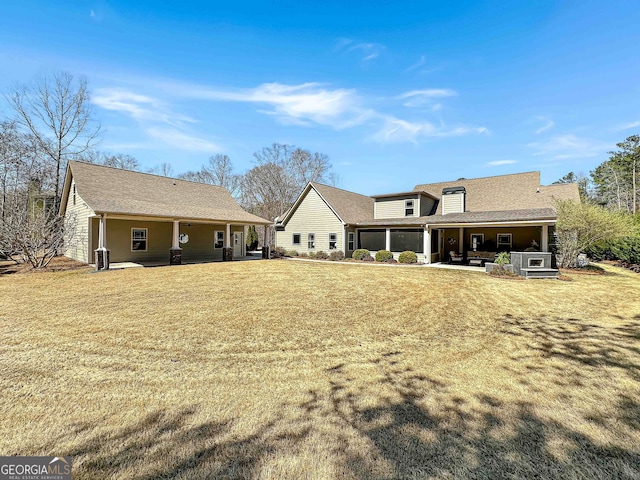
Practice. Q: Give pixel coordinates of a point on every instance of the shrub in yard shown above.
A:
(336, 255)
(408, 257)
(391, 260)
(367, 258)
(383, 255)
(322, 255)
(278, 252)
(311, 254)
(303, 254)
(360, 253)
(292, 253)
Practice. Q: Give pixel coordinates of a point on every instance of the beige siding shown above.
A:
(78, 216)
(199, 248)
(313, 215)
(394, 207)
(453, 203)
(426, 205)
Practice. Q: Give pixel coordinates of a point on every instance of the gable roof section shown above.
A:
(520, 191)
(124, 192)
(349, 207)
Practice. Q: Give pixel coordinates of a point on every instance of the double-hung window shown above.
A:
(351, 241)
(311, 240)
(504, 241)
(333, 241)
(408, 208)
(139, 239)
(219, 239)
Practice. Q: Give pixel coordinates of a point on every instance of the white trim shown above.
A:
(354, 241)
(544, 241)
(146, 239)
(311, 239)
(335, 247)
(175, 243)
(298, 201)
(498, 243)
(215, 239)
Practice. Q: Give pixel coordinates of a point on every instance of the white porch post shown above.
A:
(102, 254)
(245, 231)
(426, 247)
(387, 241)
(102, 232)
(461, 241)
(227, 237)
(175, 242)
(544, 241)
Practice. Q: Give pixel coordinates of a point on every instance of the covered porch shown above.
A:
(152, 241)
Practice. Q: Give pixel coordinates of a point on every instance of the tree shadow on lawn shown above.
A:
(402, 424)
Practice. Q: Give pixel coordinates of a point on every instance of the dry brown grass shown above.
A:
(288, 369)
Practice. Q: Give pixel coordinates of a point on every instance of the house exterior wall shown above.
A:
(453, 203)
(79, 214)
(521, 237)
(426, 205)
(394, 207)
(199, 248)
(313, 215)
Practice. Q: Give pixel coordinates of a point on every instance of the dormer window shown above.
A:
(408, 208)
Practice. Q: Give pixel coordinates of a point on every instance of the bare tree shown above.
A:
(56, 111)
(164, 169)
(218, 171)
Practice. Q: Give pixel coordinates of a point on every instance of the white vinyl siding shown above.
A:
(312, 215)
(453, 203)
(395, 207)
(78, 214)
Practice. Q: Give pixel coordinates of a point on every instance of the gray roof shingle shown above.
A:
(351, 207)
(124, 192)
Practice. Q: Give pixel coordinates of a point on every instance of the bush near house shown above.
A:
(408, 257)
(360, 253)
(336, 256)
(292, 253)
(383, 255)
(320, 255)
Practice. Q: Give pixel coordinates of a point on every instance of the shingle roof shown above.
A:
(350, 207)
(117, 191)
(534, 214)
(518, 191)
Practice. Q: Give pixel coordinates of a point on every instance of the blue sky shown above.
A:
(396, 93)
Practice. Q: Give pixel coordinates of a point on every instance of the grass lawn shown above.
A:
(287, 369)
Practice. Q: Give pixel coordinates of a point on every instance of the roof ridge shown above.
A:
(480, 178)
(125, 170)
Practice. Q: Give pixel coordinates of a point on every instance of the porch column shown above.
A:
(426, 244)
(461, 241)
(102, 254)
(245, 231)
(544, 241)
(227, 251)
(175, 254)
(265, 245)
(387, 240)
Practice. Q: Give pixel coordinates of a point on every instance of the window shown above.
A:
(219, 239)
(372, 240)
(351, 241)
(311, 240)
(296, 239)
(476, 240)
(139, 239)
(408, 208)
(333, 241)
(504, 241)
(407, 239)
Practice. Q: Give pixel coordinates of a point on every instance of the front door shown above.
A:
(237, 244)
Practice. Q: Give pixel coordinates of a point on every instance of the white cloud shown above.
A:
(140, 107)
(497, 163)
(631, 125)
(549, 124)
(396, 130)
(569, 146)
(420, 98)
(182, 140)
(296, 104)
(368, 50)
(422, 61)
